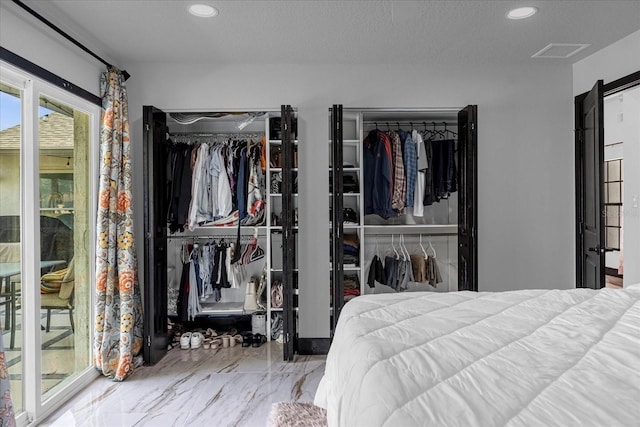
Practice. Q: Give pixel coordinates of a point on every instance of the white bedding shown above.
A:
(521, 358)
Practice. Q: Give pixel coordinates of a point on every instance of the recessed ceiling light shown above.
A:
(203, 10)
(522, 12)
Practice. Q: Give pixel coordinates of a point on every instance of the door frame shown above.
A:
(619, 85)
(35, 406)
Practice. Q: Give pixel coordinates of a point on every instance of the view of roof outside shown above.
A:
(10, 111)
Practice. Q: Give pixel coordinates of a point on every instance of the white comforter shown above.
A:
(522, 358)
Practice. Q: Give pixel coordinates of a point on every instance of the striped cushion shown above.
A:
(51, 282)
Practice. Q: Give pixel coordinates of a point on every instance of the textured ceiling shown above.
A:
(339, 32)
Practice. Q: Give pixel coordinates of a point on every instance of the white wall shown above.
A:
(23, 35)
(611, 63)
(525, 183)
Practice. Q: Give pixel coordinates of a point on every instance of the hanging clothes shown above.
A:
(376, 272)
(433, 272)
(214, 184)
(422, 165)
(399, 192)
(429, 196)
(419, 267)
(179, 184)
(444, 169)
(410, 162)
(377, 174)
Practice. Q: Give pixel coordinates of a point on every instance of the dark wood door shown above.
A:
(288, 238)
(590, 189)
(155, 234)
(337, 204)
(467, 199)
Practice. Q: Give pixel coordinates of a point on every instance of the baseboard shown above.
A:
(308, 346)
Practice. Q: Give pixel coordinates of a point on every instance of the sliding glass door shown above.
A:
(48, 152)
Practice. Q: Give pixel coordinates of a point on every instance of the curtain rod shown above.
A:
(67, 36)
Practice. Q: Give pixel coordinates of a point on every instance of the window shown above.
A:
(613, 174)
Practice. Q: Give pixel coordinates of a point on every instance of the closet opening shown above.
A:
(218, 220)
(403, 201)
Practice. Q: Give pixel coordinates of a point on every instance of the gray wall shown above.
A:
(525, 160)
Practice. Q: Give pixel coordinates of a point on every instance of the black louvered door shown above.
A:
(468, 199)
(155, 235)
(288, 238)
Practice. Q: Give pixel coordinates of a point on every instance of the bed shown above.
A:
(520, 358)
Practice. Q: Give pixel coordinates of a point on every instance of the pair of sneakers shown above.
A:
(191, 340)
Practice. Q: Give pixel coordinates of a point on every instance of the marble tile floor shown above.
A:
(58, 355)
(223, 387)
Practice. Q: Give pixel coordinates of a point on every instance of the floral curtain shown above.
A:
(118, 323)
(7, 416)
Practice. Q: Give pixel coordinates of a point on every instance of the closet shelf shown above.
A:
(279, 228)
(348, 141)
(222, 308)
(346, 267)
(448, 229)
(280, 194)
(272, 170)
(347, 194)
(348, 226)
(278, 141)
(346, 169)
(279, 270)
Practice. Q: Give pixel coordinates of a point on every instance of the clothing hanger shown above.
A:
(449, 131)
(433, 249)
(423, 249)
(394, 248)
(257, 252)
(377, 249)
(407, 256)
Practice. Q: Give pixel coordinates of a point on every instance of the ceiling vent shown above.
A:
(560, 50)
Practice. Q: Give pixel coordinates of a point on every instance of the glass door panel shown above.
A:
(10, 256)
(64, 243)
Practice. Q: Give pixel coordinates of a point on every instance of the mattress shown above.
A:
(520, 358)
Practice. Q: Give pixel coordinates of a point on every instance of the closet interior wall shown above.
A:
(435, 230)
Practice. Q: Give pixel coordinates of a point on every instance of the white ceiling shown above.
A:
(339, 32)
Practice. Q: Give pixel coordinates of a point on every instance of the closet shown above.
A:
(220, 204)
(397, 230)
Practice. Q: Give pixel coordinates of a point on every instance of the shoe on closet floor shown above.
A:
(258, 340)
(196, 339)
(247, 339)
(185, 341)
